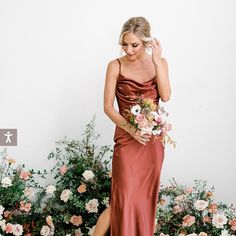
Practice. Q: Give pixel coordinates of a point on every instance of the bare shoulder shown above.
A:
(113, 68)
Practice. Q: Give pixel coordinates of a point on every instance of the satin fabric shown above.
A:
(136, 168)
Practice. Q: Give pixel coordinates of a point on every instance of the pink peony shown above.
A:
(63, 169)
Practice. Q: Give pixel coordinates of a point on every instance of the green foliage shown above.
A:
(179, 211)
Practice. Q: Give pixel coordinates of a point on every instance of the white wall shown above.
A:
(53, 58)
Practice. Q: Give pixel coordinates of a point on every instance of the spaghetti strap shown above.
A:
(119, 65)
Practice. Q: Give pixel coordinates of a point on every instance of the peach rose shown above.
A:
(188, 220)
(188, 190)
(202, 234)
(207, 219)
(209, 194)
(213, 208)
(81, 188)
(7, 214)
(63, 169)
(233, 224)
(49, 220)
(76, 220)
(162, 202)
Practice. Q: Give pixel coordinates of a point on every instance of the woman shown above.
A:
(137, 159)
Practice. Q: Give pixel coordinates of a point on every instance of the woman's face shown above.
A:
(132, 46)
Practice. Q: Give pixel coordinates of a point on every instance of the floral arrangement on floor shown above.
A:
(18, 210)
(192, 211)
(82, 189)
(150, 118)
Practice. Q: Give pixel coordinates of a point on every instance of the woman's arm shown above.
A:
(161, 68)
(109, 97)
(162, 79)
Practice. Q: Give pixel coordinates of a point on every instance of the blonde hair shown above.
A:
(139, 26)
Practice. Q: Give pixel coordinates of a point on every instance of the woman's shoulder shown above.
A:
(114, 64)
(113, 67)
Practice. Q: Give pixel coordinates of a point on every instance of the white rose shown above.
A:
(78, 232)
(2, 224)
(50, 189)
(135, 109)
(219, 220)
(1, 209)
(191, 234)
(18, 230)
(200, 205)
(88, 174)
(92, 206)
(65, 195)
(45, 231)
(6, 182)
(224, 232)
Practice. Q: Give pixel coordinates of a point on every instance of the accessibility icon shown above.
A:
(8, 137)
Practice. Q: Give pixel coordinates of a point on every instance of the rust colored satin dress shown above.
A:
(136, 169)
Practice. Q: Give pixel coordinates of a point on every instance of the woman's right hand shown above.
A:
(136, 134)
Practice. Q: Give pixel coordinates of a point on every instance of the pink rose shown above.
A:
(233, 224)
(24, 175)
(139, 118)
(63, 169)
(25, 206)
(9, 228)
(188, 220)
(76, 220)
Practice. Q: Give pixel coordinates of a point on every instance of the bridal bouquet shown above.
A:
(150, 118)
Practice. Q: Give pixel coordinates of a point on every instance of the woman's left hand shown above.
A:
(155, 45)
